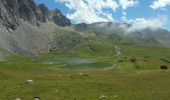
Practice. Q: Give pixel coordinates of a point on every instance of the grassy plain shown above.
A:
(102, 77)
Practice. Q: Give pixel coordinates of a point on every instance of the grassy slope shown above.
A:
(125, 82)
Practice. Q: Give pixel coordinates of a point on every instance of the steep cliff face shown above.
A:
(45, 12)
(13, 11)
(29, 11)
(26, 28)
(8, 15)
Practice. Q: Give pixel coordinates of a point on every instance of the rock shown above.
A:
(11, 11)
(59, 19)
(163, 67)
(102, 97)
(126, 57)
(80, 74)
(18, 99)
(117, 51)
(45, 12)
(29, 82)
(36, 98)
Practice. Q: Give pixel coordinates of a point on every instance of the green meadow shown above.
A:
(92, 73)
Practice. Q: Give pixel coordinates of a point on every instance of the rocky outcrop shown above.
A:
(67, 41)
(29, 11)
(45, 12)
(7, 16)
(13, 11)
(57, 17)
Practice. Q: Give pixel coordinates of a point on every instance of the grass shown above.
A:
(142, 80)
(152, 85)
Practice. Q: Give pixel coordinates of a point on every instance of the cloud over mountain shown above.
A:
(142, 23)
(160, 4)
(89, 11)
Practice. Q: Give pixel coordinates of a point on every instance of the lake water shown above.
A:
(75, 60)
(76, 63)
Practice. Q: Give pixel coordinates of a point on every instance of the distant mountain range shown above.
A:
(146, 36)
(28, 29)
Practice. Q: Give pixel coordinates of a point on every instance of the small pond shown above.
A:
(74, 60)
(76, 63)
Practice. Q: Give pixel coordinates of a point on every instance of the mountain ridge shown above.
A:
(139, 36)
(29, 29)
(12, 12)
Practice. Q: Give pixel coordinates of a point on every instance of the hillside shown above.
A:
(120, 32)
(26, 28)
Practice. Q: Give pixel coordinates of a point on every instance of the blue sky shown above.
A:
(152, 13)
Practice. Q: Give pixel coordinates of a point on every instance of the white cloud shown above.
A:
(89, 11)
(142, 23)
(127, 3)
(160, 4)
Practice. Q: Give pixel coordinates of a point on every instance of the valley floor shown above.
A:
(86, 78)
(85, 85)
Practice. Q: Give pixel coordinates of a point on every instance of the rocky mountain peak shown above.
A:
(26, 28)
(59, 18)
(13, 11)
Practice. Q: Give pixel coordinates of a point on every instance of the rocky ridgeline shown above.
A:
(13, 11)
(57, 17)
(25, 28)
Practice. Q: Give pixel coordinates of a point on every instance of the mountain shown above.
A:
(29, 29)
(149, 36)
(103, 30)
(26, 28)
(12, 12)
(120, 31)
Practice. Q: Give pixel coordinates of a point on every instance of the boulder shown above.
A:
(36, 98)
(164, 67)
